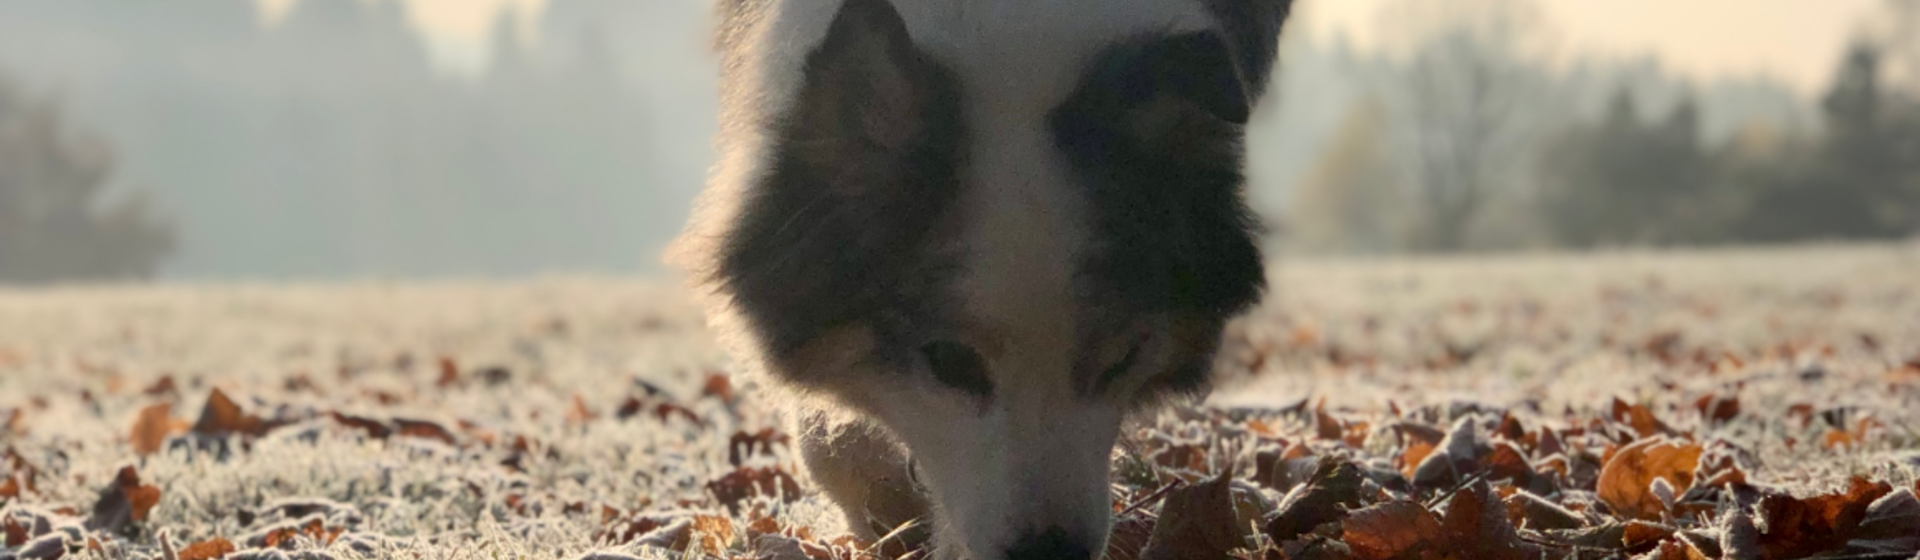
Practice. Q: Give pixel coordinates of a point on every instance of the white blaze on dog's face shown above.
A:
(997, 227)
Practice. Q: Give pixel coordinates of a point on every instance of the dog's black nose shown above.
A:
(1054, 544)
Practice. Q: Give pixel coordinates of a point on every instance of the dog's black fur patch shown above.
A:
(846, 228)
(1252, 29)
(1154, 132)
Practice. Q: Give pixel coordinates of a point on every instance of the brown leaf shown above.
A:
(449, 373)
(1892, 525)
(1674, 549)
(1129, 537)
(222, 416)
(1626, 479)
(577, 412)
(1717, 409)
(1639, 418)
(713, 532)
(718, 386)
(1334, 488)
(374, 428)
(1539, 513)
(735, 487)
(743, 445)
(1197, 522)
(1476, 526)
(1798, 528)
(211, 549)
(150, 429)
(123, 503)
(1640, 535)
(1415, 454)
(424, 430)
(1390, 530)
(16, 531)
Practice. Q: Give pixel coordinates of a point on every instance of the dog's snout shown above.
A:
(1053, 544)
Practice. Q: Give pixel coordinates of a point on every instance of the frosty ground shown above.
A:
(555, 417)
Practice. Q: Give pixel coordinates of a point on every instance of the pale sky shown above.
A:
(1796, 41)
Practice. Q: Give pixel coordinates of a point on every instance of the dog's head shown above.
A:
(998, 228)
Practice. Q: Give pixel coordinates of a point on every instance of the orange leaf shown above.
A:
(222, 416)
(1625, 480)
(124, 502)
(424, 430)
(1800, 528)
(449, 373)
(578, 413)
(1413, 456)
(718, 386)
(213, 549)
(150, 429)
(1389, 530)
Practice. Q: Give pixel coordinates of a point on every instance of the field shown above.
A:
(1736, 404)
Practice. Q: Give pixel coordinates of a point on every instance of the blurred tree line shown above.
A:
(56, 220)
(1467, 148)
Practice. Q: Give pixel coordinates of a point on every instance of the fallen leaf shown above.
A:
(1626, 480)
(735, 487)
(1389, 530)
(163, 386)
(15, 531)
(424, 430)
(718, 386)
(1892, 525)
(1334, 488)
(1717, 409)
(1475, 526)
(1797, 528)
(150, 429)
(123, 503)
(1639, 418)
(577, 412)
(373, 428)
(449, 373)
(222, 416)
(211, 549)
(1197, 522)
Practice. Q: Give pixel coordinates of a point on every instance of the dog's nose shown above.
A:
(1054, 544)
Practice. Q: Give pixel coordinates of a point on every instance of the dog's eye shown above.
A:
(958, 366)
(1121, 368)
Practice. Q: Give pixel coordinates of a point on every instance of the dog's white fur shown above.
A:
(1040, 456)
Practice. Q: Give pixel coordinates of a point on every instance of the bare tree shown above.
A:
(1351, 200)
(1470, 68)
(53, 224)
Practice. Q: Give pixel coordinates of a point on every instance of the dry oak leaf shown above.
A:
(1673, 549)
(1389, 530)
(1197, 522)
(1892, 525)
(1476, 526)
(1334, 488)
(212, 549)
(735, 487)
(150, 429)
(222, 416)
(1796, 528)
(1639, 418)
(1626, 480)
(124, 502)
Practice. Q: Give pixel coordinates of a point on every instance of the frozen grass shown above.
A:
(1826, 327)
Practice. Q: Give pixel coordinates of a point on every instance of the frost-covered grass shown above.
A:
(553, 361)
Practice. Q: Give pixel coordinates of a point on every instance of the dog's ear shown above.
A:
(866, 100)
(1200, 69)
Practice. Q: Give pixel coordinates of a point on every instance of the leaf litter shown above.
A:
(1458, 416)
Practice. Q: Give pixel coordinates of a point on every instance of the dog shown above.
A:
(971, 238)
